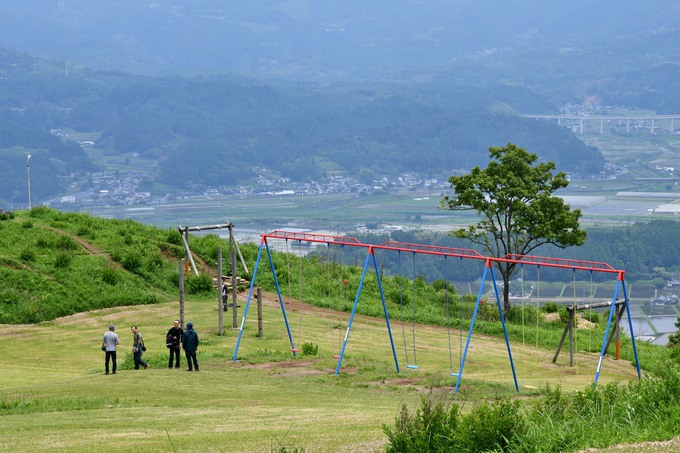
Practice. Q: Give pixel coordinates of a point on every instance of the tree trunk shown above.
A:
(506, 296)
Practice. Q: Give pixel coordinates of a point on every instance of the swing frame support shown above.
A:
(590, 266)
(446, 252)
(571, 325)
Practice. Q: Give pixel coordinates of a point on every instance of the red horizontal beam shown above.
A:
(313, 237)
(563, 263)
(430, 249)
(557, 262)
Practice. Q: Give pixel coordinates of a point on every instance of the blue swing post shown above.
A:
(354, 309)
(263, 245)
(487, 267)
(620, 283)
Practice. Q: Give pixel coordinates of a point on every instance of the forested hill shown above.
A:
(208, 132)
(622, 52)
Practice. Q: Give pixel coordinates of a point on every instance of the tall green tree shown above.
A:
(514, 196)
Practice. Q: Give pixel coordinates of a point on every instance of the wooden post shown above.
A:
(220, 283)
(181, 293)
(234, 282)
(260, 331)
(559, 346)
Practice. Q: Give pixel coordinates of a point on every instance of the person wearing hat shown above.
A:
(190, 345)
(109, 346)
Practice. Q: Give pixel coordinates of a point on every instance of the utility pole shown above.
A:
(28, 172)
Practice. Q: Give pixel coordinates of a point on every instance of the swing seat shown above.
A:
(453, 374)
(412, 367)
(294, 350)
(335, 356)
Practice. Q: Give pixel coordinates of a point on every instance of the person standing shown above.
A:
(174, 342)
(190, 345)
(109, 343)
(138, 348)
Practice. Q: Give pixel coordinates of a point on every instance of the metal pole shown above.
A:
(260, 330)
(28, 172)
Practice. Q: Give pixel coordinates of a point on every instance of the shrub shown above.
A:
(27, 224)
(62, 260)
(109, 275)
(551, 307)
(132, 261)
(43, 243)
(173, 236)
(197, 284)
(491, 427)
(432, 427)
(310, 349)
(66, 243)
(154, 261)
(41, 211)
(564, 315)
(441, 284)
(84, 231)
(6, 215)
(28, 254)
(591, 316)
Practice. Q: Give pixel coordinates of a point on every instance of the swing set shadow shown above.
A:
(446, 252)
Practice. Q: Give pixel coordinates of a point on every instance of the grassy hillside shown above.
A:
(53, 393)
(56, 264)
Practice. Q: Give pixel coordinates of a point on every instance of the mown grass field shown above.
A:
(55, 396)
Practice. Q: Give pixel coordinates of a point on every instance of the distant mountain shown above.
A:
(209, 132)
(319, 40)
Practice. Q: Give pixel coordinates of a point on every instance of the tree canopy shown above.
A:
(514, 196)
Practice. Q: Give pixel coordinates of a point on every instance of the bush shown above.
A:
(591, 316)
(154, 262)
(432, 427)
(173, 236)
(28, 254)
(310, 349)
(491, 427)
(6, 215)
(439, 426)
(132, 261)
(66, 243)
(197, 284)
(43, 243)
(442, 284)
(551, 307)
(109, 275)
(63, 260)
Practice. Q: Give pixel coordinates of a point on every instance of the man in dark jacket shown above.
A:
(174, 342)
(190, 345)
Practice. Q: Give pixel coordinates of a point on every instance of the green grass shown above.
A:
(54, 393)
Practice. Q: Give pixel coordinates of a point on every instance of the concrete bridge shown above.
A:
(605, 122)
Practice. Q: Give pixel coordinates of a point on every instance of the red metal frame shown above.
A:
(313, 237)
(564, 263)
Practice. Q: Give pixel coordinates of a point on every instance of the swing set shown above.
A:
(421, 249)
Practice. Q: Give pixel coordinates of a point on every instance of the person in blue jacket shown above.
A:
(190, 345)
